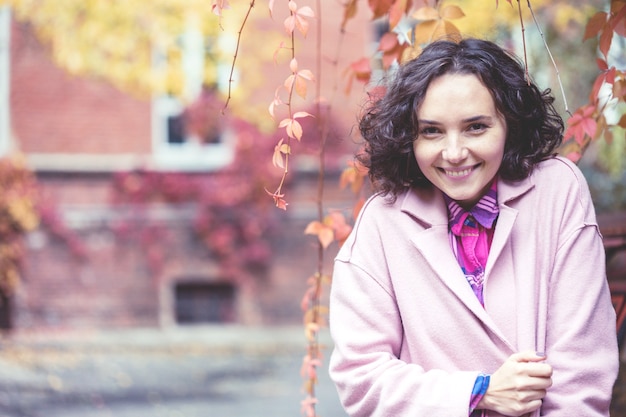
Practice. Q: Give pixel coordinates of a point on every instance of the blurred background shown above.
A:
(144, 269)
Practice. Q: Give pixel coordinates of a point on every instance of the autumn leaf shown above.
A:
(337, 222)
(308, 406)
(281, 149)
(316, 316)
(426, 13)
(278, 199)
(397, 11)
(380, 7)
(595, 25)
(391, 49)
(619, 88)
(618, 17)
(297, 80)
(325, 234)
(360, 70)
(607, 76)
(309, 367)
(581, 124)
(276, 102)
(292, 126)
(354, 175)
(452, 12)
(434, 25)
(606, 24)
(219, 5)
(297, 19)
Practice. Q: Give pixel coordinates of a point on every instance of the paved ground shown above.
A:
(189, 372)
(185, 372)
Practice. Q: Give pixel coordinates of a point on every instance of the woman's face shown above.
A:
(461, 137)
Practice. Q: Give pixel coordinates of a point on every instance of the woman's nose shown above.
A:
(454, 150)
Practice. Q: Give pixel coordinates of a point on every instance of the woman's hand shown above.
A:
(518, 386)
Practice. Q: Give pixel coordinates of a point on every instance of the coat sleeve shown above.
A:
(581, 342)
(370, 378)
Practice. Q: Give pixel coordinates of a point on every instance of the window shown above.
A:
(191, 136)
(201, 302)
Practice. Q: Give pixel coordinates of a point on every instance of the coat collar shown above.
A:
(428, 207)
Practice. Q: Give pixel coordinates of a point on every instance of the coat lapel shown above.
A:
(428, 207)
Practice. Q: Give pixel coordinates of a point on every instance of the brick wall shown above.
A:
(52, 111)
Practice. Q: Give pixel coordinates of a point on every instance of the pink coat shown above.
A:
(410, 336)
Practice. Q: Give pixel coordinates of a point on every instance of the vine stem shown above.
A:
(521, 20)
(556, 68)
(232, 67)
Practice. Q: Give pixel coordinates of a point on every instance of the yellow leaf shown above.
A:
(426, 13)
(452, 12)
(424, 31)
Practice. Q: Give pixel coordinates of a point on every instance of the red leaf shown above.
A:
(582, 124)
(595, 25)
(606, 37)
(618, 18)
(388, 42)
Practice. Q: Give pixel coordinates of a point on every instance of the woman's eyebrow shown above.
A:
(479, 118)
(427, 122)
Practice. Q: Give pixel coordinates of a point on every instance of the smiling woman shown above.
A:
(474, 281)
(461, 136)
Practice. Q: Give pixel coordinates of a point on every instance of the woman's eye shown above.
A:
(477, 127)
(429, 131)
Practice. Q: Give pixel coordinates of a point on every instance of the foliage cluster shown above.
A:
(18, 215)
(137, 45)
(233, 219)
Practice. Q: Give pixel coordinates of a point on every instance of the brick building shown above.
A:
(78, 134)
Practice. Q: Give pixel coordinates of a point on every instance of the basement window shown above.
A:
(201, 302)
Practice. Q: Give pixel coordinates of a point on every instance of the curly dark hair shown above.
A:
(389, 125)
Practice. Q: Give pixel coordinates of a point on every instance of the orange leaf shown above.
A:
(452, 12)
(324, 233)
(380, 7)
(398, 8)
(424, 31)
(426, 13)
(279, 150)
(354, 175)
